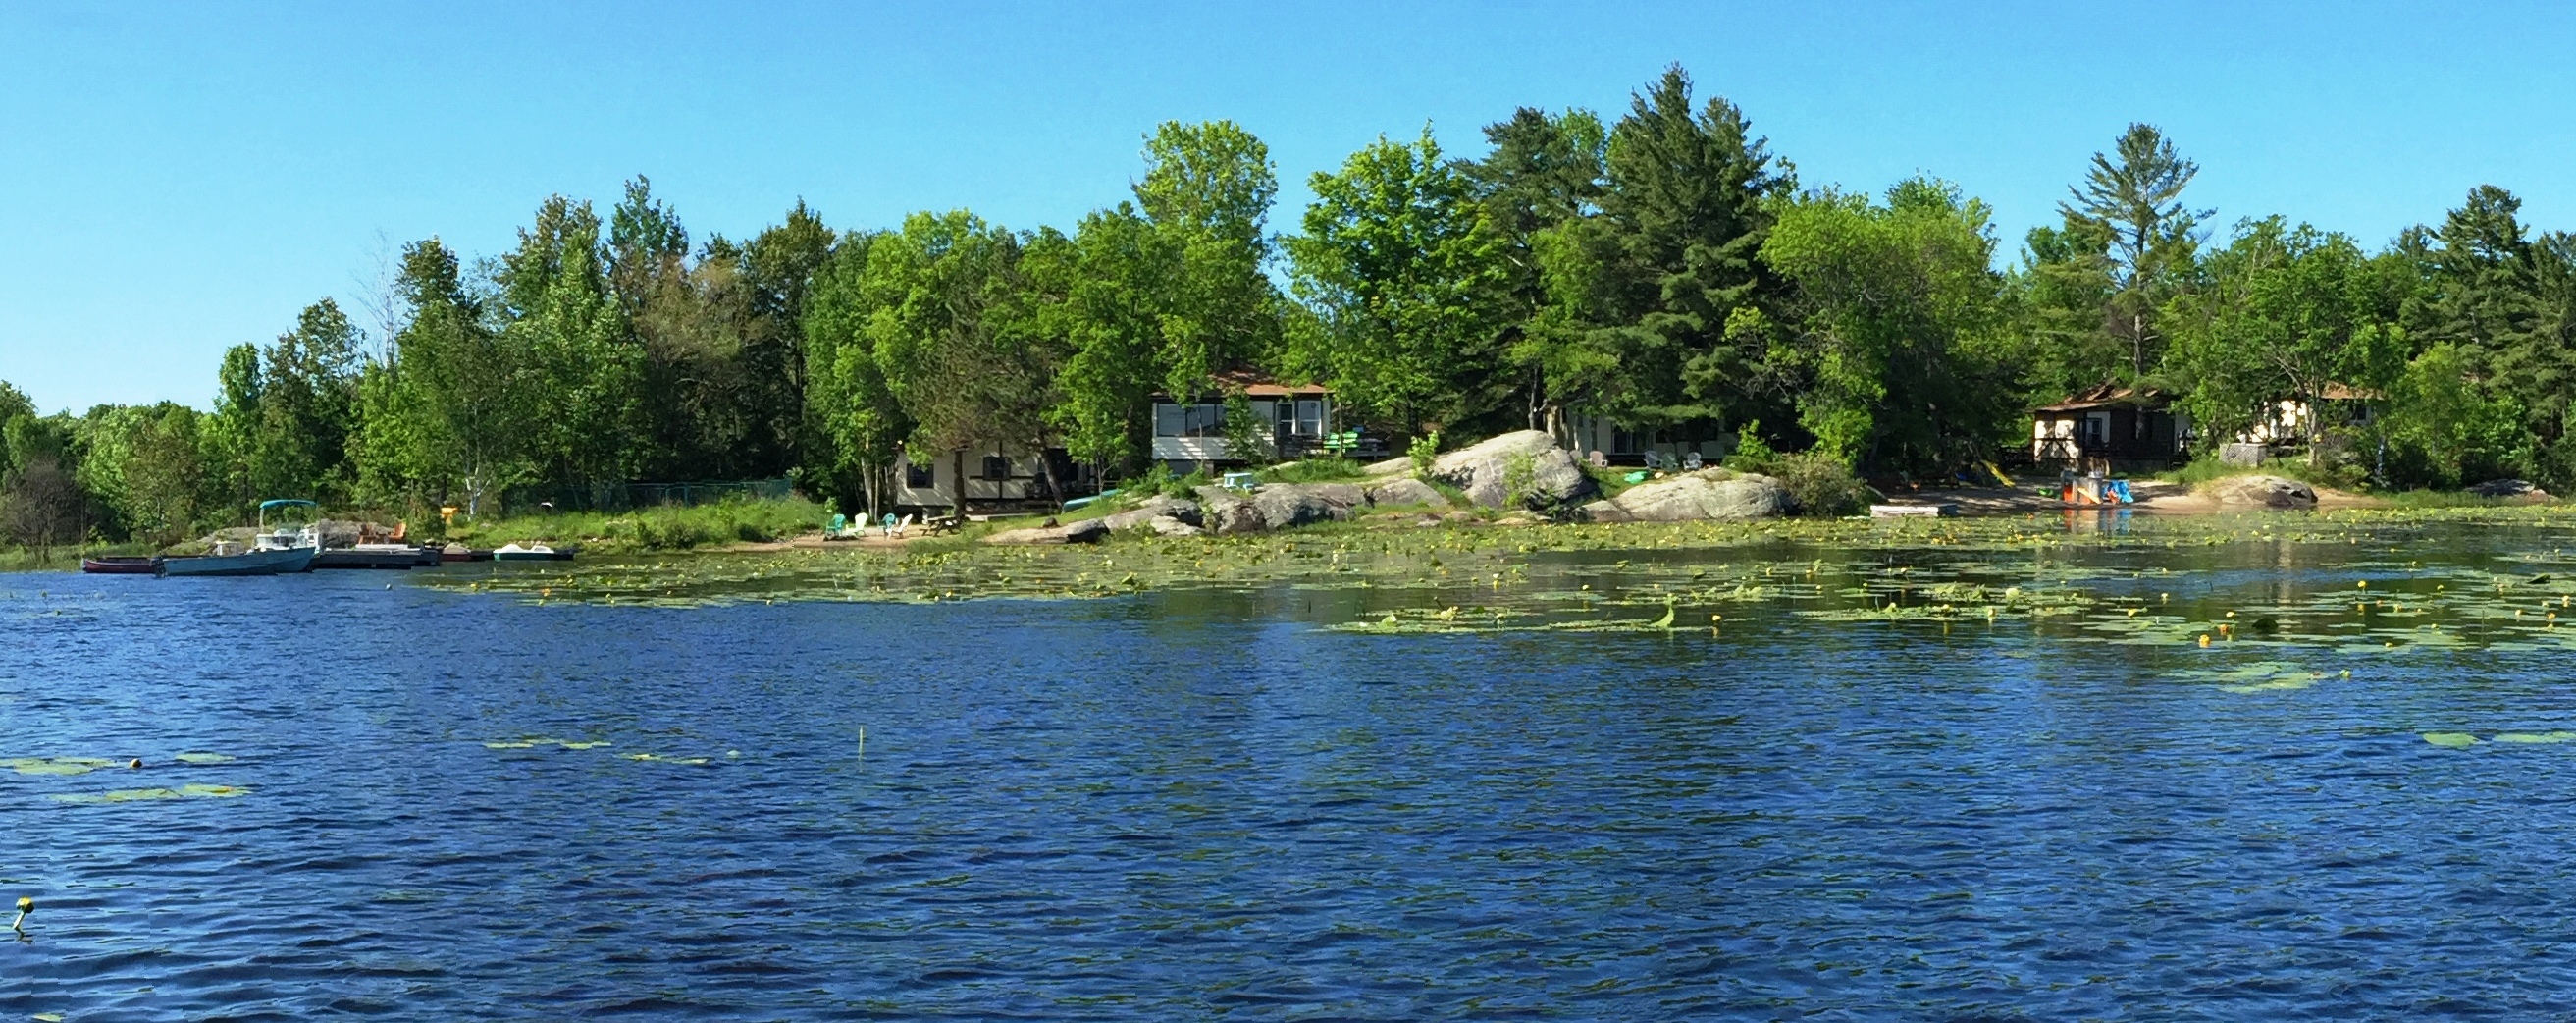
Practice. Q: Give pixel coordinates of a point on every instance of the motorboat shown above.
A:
(285, 550)
(115, 564)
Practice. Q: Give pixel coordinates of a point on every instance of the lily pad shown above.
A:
(2535, 737)
(2451, 740)
(140, 795)
(202, 758)
(56, 765)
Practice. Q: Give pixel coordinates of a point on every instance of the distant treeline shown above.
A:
(1664, 270)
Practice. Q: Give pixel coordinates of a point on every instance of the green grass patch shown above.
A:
(663, 528)
(2208, 469)
(1314, 470)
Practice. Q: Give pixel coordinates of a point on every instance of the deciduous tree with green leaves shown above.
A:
(1207, 190)
(2281, 314)
(1404, 274)
(1899, 327)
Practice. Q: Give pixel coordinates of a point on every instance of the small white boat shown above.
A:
(533, 552)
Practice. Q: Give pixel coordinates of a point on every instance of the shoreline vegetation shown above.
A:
(1504, 563)
(796, 524)
(1653, 279)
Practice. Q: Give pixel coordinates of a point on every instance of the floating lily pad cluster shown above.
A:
(2058, 574)
(541, 742)
(74, 766)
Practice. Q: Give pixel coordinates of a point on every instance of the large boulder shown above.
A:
(1406, 491)
(1229, 511)
(1389, 467)
(1484, 472)
(2508, 488)
(2263, 491)
(1278, 506)
(1287, 505)
(1156, 507)
(1706, 495)
(1086, 531)
(1169, 526)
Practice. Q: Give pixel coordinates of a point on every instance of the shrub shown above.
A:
(1750, 450)
(1821, 484)
(1520, 478)
(1314, 470)
(1187, 486)
(1424, 450)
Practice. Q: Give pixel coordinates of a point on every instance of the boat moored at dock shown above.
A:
(281, 551)
(534, 552)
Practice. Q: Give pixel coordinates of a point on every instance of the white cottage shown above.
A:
(1190, 435)
(1004, 478)
(1618, 444)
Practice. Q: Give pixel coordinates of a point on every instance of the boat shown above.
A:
(282, 551)
(534, 552)
(112, 564)
(453, 553)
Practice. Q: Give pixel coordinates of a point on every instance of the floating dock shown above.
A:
(1945, 509)
(378, 556)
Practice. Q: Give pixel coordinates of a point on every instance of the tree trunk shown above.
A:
(1046, 471)
(2316, 431)
(960, 509)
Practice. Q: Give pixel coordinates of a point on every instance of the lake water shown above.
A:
(419, 802)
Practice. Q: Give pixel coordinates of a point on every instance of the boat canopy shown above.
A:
(282, 502)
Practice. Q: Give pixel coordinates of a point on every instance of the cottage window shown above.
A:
(1206, 421)
(1310, 417)
(997, 467)
(917, 475)
(1170, 419)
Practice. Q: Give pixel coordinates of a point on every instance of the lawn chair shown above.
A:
(1598, 460)
(1654, 460)
(840, 524)
(1691, 462)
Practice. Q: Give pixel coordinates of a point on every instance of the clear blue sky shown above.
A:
(178, 178)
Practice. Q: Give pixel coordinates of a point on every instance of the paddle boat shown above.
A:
(284, 550)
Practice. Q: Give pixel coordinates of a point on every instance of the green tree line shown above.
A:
(1663, 268)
